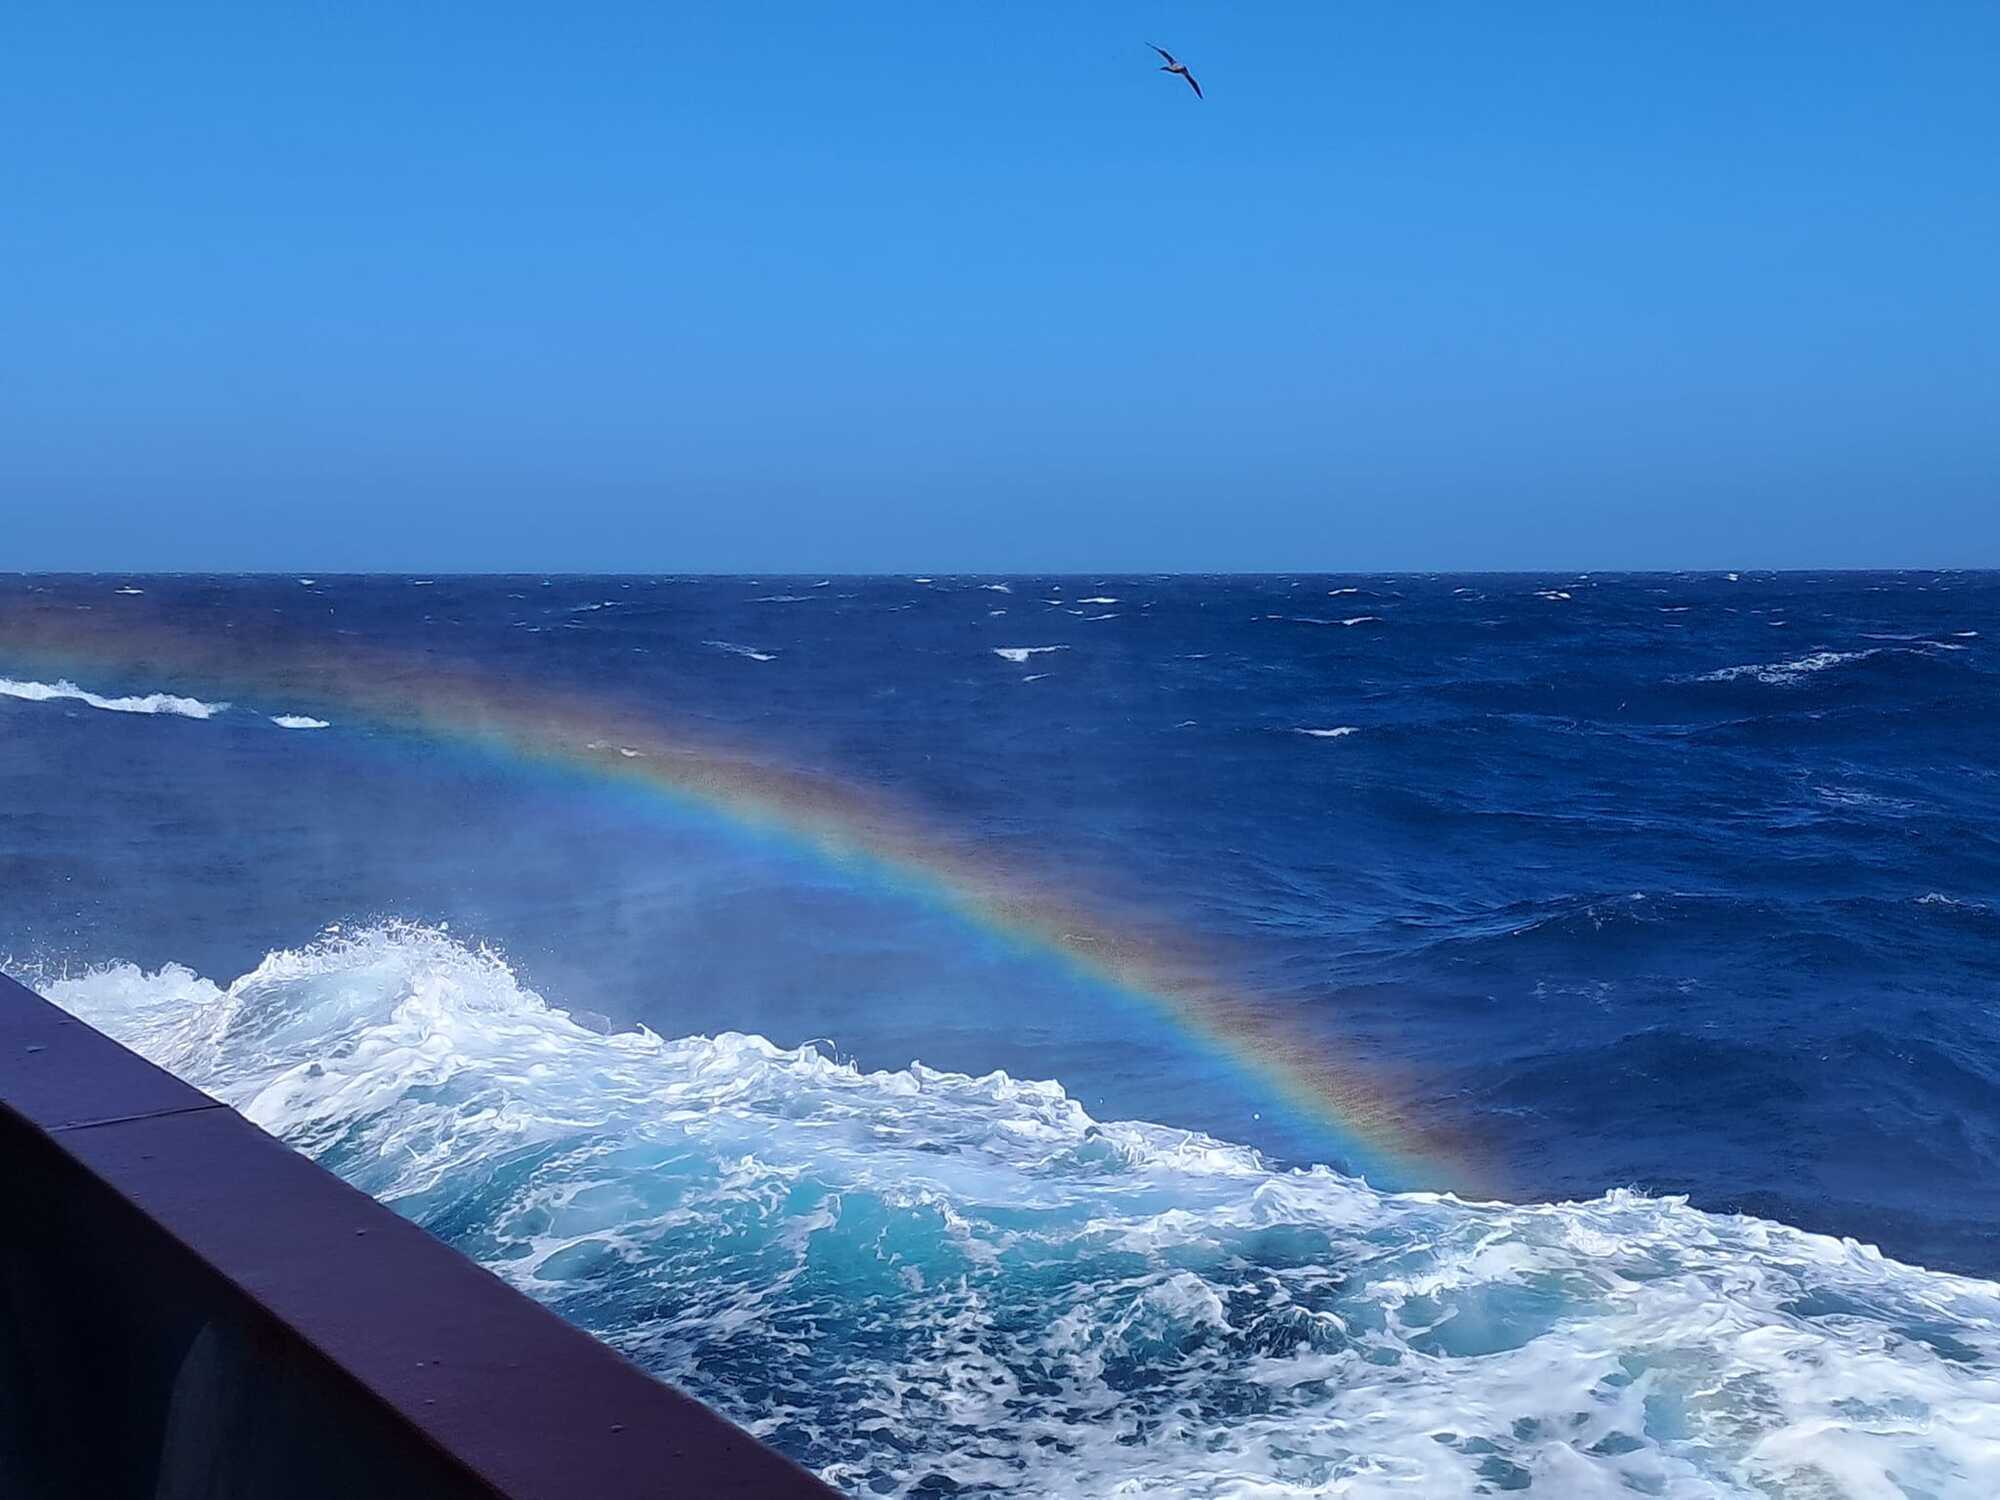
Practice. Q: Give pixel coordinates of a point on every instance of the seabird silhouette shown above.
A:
(1175, 65)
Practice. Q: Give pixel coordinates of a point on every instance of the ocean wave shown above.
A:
(1786, 673)
(1339, 731)
(63, 690)
(919, 1281)
(1018, 654)
(298, 721)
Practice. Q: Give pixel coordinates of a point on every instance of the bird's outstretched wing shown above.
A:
(1192, 84)
(1172, 61)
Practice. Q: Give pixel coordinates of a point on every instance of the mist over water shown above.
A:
(1670, 903)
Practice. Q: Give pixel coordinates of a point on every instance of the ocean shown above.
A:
(1101, 1036)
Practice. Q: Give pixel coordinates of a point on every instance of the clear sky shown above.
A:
(941, 285)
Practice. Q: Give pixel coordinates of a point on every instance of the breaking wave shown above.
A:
(921, 1283)
(146, 703)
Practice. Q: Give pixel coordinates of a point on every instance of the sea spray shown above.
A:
(917, 1279)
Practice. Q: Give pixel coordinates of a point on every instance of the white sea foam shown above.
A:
(1550, 594)
(1022, 653)
(1339, 731)
(64, 690)
(130, 591)
(1939, 898)
(1785, 673)
(748, 651)
(904, 1274)
(998, 588)
(1098, 599)
(298, 721)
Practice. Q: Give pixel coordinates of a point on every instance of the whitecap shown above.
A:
(998, 588)
(1022, 653)
(298, 721)
(1098, 599)
(746, 651)
(1786, 673)
(144, 703)
(130, 591)
(1338, 732)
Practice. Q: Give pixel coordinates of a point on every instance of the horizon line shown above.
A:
(917, 575)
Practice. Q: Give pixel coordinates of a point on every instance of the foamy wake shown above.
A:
(146, 703)
(918, 1281)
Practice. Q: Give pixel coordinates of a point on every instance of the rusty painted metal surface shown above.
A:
(190, 1308)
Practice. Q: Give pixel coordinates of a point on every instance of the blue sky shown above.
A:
(945, 286)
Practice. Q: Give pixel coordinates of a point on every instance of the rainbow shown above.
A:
(593, 735)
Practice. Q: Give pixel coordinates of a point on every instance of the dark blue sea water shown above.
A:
(1596, 893)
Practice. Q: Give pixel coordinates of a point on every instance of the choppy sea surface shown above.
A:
(1210, 1037)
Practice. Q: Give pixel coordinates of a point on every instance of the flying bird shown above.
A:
(1175, 65)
